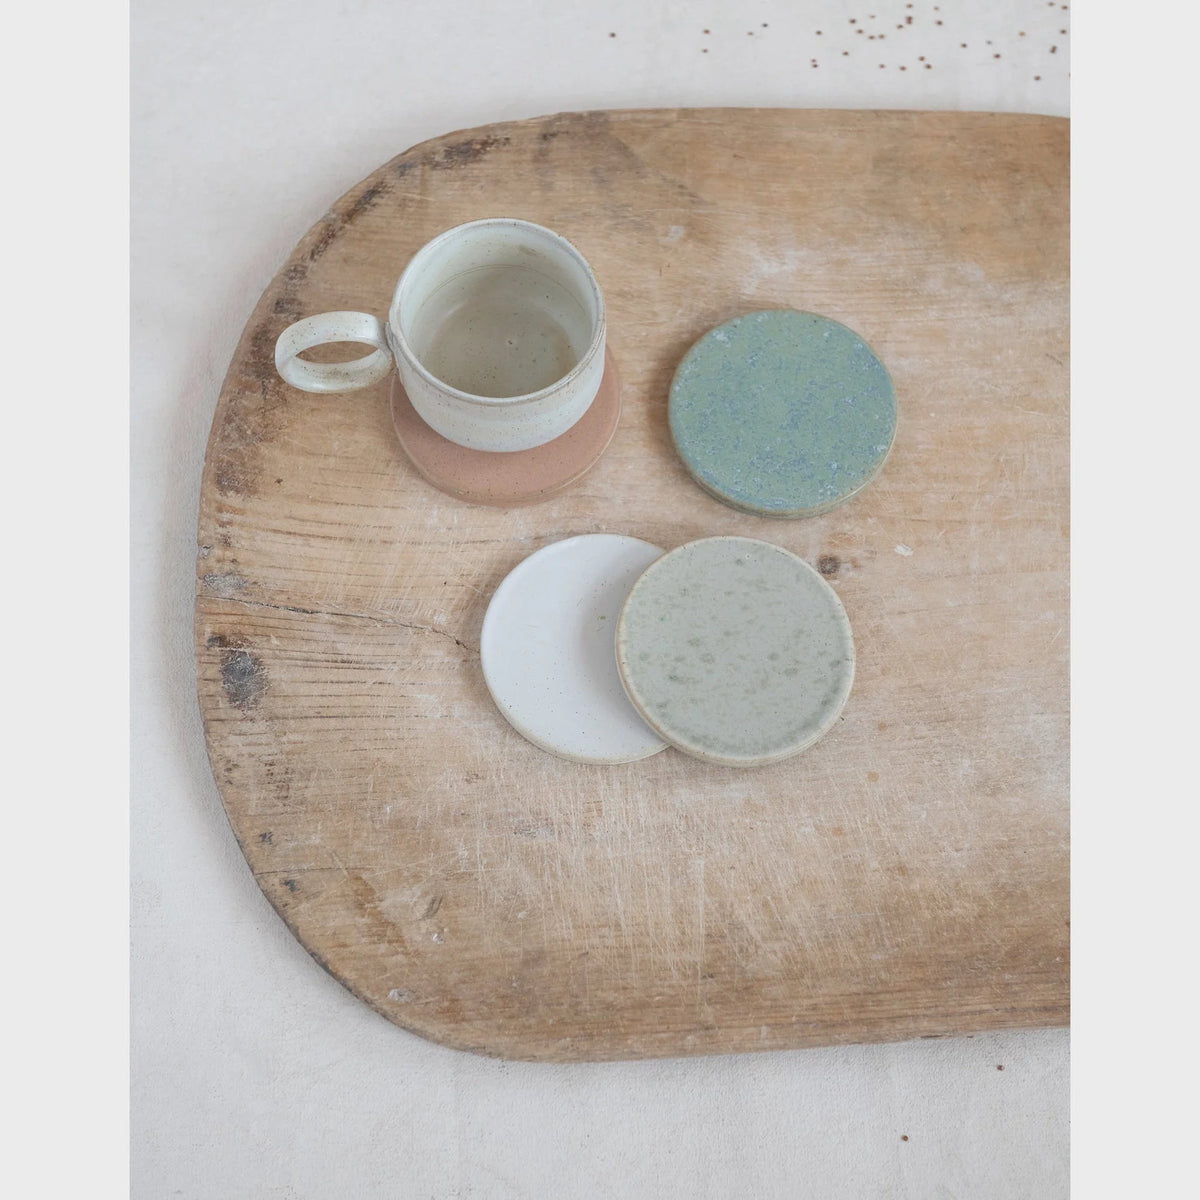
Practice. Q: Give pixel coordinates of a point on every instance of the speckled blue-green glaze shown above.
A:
(736, 651)
(782, 413)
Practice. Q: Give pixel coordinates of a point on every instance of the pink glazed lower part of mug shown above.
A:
(517, 477)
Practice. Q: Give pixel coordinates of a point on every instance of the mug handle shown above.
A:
(332, 377)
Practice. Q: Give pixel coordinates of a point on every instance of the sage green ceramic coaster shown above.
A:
(736, 651)
(782, 413)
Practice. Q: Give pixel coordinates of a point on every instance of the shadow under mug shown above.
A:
(497, 331)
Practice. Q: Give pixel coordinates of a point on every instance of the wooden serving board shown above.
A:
(907, 877)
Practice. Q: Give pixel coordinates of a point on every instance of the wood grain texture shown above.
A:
(907, 876)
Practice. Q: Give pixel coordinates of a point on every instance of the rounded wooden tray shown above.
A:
(905, 877)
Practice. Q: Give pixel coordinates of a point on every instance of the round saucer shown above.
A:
(735, 651)
(782, 413)
(516, 477)
(547, 649)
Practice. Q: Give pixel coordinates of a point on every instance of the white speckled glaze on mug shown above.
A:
(497, 330)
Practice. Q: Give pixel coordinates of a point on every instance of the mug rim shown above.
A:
(585, 360)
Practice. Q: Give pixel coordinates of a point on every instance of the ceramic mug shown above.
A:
(497, 331)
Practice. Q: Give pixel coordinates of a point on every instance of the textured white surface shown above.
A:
(255, 1074)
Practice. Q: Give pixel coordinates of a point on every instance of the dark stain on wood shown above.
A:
(262, 342)
(828, 564)
(325, 239)
(244, 678)
(255, 403)
(367, 199)
(466, 152)
(333, 226)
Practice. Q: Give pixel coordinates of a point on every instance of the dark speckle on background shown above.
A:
(1029, 41)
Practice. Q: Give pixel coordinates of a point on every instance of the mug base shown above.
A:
(512, 478)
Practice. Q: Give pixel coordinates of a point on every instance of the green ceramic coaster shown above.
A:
(782, 413)
(736, 651)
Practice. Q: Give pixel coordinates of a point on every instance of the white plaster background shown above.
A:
(254, 1074)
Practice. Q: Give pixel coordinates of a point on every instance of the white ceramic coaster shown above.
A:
(735, 651)
(547, 649)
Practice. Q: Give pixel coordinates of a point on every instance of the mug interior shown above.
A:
(498, 308)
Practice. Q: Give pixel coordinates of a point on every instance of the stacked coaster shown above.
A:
(735, 651)
(602, 649)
